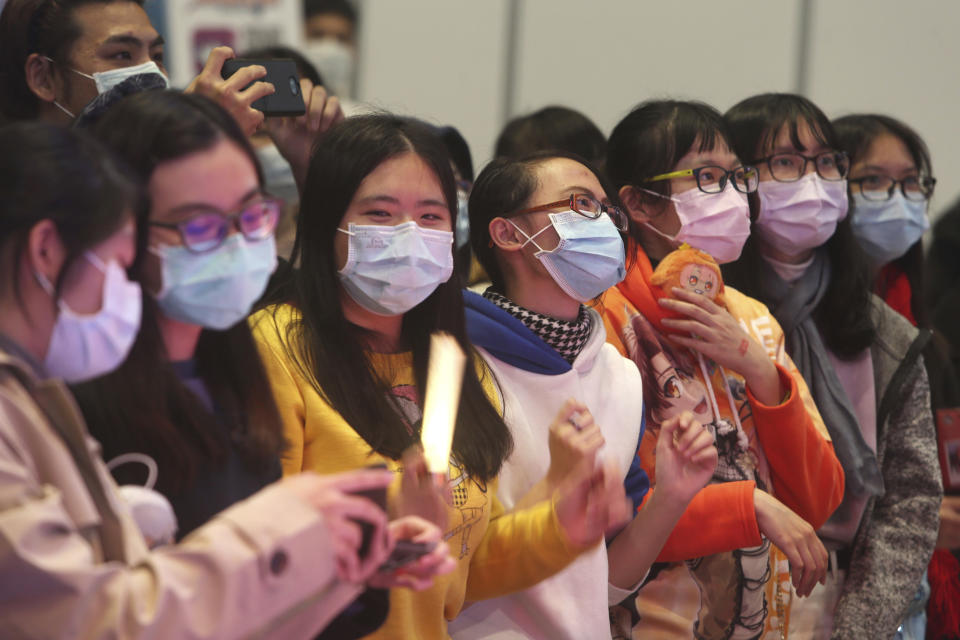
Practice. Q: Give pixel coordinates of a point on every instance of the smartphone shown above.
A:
(405, 552)
(379, 498)
(282, 73)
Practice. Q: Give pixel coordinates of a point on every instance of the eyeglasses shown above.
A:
(588, 207)
(713, 179)
(206, 230)
(880, 188)
(790, 167)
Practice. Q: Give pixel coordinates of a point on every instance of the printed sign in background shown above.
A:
(193, 27)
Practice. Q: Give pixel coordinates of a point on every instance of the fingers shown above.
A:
(569, 409)
(415, 528)
(689, 309)
(345, 538)
(214, 64)
(696, 300)
(243, 77)
(690, 326)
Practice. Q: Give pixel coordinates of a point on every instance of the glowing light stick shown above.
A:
(444, 379)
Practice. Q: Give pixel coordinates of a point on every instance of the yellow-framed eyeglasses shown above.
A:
(713, 179)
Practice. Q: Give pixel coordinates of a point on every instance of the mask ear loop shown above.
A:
(649, 226)
(530, 238)
(142, 458)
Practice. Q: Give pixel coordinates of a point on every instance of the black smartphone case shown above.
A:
(282, 74)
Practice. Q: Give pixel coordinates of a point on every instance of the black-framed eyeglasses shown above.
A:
(587, 206)
(713, 179)
(879, 188)
(790, 167)
(206, 230)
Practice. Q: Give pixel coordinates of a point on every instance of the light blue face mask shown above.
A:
(588, 260)
(886, 229)
(216, 289)
(392, 269)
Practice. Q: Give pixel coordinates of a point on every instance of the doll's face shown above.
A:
(699, 279)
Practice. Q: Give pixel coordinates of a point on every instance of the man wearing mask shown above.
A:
(330, 35)
(61, 58)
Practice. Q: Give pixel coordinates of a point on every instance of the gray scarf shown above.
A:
(793, 307)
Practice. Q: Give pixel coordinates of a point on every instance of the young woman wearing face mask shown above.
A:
(890, 185)
(777, 477)
(861, 359)
(73, 563)
(555, 247)
(205, 416)
(348, 358)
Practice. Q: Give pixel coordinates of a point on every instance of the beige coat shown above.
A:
(74, 565)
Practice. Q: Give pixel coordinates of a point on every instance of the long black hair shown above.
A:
(843, 314)
(329, 350)
(50, 173)
(856, 133)
(143, 406)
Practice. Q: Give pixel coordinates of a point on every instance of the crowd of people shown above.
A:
(708, 390)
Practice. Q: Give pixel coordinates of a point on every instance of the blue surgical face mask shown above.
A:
(215, 289)
(390, 270)
(886, 229)
(588, 260)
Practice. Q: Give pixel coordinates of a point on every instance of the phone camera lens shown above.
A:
(294, 85)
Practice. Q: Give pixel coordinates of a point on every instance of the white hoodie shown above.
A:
(574, 603)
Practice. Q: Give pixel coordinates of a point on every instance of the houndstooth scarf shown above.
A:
(566, 338)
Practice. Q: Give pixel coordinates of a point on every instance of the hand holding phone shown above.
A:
(419, 557)
(287, 99)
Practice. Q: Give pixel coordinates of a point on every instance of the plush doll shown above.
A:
(689, 269)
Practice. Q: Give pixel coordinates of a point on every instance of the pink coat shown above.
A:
(74, 565)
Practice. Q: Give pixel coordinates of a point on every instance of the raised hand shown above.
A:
(574, 439)
(233, 94)
(796, 538)
(686, 457)
(421, 494)
(295, 136)
(592, 502)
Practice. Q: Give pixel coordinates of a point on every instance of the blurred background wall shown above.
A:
(476, 64)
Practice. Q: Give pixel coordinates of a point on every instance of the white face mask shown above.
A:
(152, 512)
(390, 270)
(886, 229)
(106, 80)
(335, 62)
(798, 216)
(716, 223)
(85, 346)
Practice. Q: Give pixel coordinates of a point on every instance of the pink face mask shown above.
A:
(717, 223)
(798, 216)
